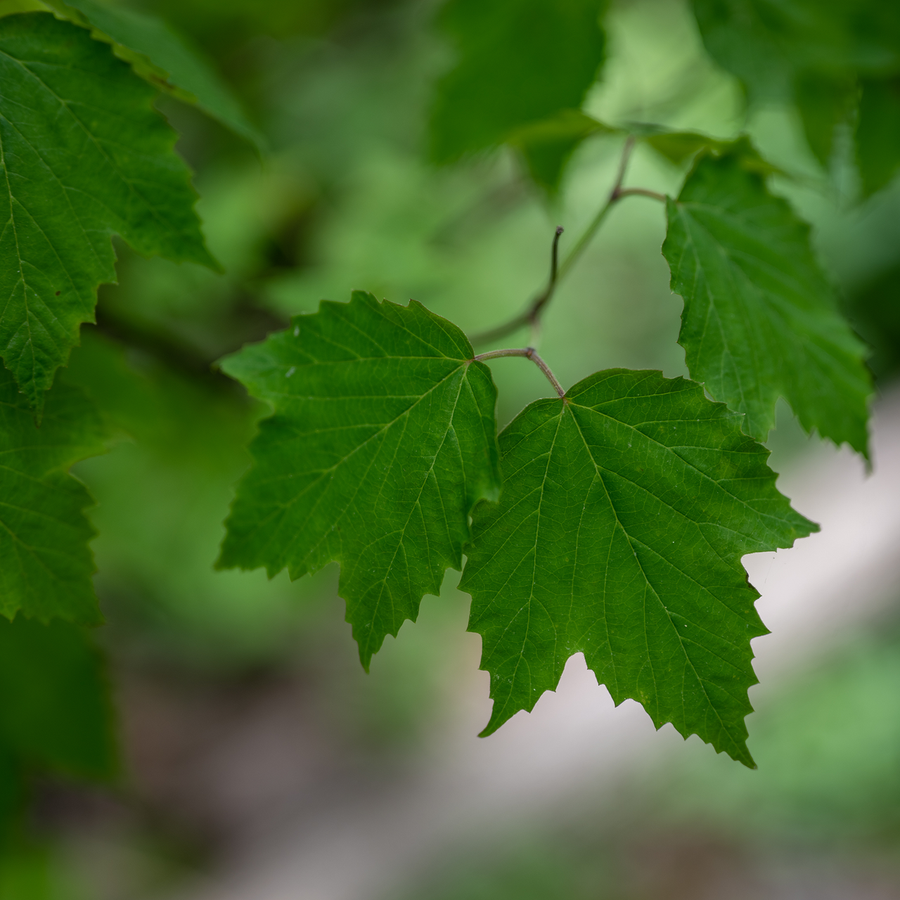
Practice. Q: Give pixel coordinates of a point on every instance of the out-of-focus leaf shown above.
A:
(383, 439)
(813, 54)
(55, 710)
(824, 101)
(164, 58)
(45, 561)
(547, 146)
(878, 133)
(625, 511)
(765, 43)
(760, 318)
(680, 146)
(873, 309)
(519, 61)
(84, 156)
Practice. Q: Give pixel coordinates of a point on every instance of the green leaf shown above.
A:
(519, 61)
(766, 43)
(760, 318)
(546, 146)
(55, 710)
(83, 155)
(625, 511)
(824, 101)
(46, 564)
(383, 439)
(678, 147)
(878, 133)
(164, 58)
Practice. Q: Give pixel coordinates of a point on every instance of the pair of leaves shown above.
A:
(625, 509)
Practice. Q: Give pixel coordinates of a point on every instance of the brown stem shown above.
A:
(528, 353)
(532, 313)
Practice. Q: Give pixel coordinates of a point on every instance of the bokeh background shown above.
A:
(258, 759)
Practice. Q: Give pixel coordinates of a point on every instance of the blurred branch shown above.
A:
(532, 313)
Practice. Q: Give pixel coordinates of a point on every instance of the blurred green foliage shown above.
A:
(345, 92)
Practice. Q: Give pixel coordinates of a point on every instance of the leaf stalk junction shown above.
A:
(528, 353)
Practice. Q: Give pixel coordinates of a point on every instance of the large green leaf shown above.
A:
(383, 439)
(760, 318)
(45, 561)
(83, 155)
(625, 511)
(519, 61)
(162, 57)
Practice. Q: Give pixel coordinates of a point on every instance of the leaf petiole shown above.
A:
(528, 353)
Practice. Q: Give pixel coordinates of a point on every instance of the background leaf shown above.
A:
(626, 508)
(164, 58)
(55, 711)
(44, 533)
(519, 61)
(760, 318)
(83, 155)
(817, 56)
(383, 439)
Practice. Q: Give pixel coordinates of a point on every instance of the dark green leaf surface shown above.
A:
(46, 563)
(83, 155)
(878, 133)
(55, 710)
(760, 319)
(163, 58)
(383, 439)
(767, 43)
(519, 61)
(625, 511)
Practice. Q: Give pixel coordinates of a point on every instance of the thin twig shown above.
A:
(532, 313)
(528, 353)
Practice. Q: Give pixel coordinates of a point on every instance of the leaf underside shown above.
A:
(760, 318)
(382, 440)
(44, 533)
(625, 511)
(83, 155)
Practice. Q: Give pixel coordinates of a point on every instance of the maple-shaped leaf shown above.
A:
(45, 561)
(625, 511)
(760, 318)
(161, 56)
(83, 156)
(383, 439)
